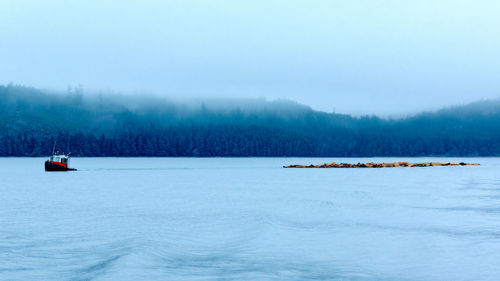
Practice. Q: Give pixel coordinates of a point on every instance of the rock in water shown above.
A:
(380, 165)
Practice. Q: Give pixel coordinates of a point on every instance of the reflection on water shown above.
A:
(248, 219)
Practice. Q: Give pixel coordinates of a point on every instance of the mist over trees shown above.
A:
(113, 125)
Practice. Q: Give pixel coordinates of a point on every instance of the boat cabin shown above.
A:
(60, 159)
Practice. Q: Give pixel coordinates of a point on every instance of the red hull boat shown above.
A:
(57, 163)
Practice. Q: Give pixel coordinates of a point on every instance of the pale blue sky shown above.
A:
(384, 57)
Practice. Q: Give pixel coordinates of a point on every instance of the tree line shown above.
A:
(107, 125)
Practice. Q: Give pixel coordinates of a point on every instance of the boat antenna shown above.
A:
(54, 148)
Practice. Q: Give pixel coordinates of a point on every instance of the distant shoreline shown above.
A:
(264, 157)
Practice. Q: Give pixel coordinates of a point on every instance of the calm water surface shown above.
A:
(248, 219)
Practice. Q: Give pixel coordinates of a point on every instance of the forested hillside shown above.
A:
(113, 125)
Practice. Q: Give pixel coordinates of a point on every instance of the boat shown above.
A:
(58, 162)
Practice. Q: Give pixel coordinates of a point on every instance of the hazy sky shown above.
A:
(385, 57)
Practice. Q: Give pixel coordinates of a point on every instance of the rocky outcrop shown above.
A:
(380, 165)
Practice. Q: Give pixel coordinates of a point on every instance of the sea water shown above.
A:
(248, 219)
